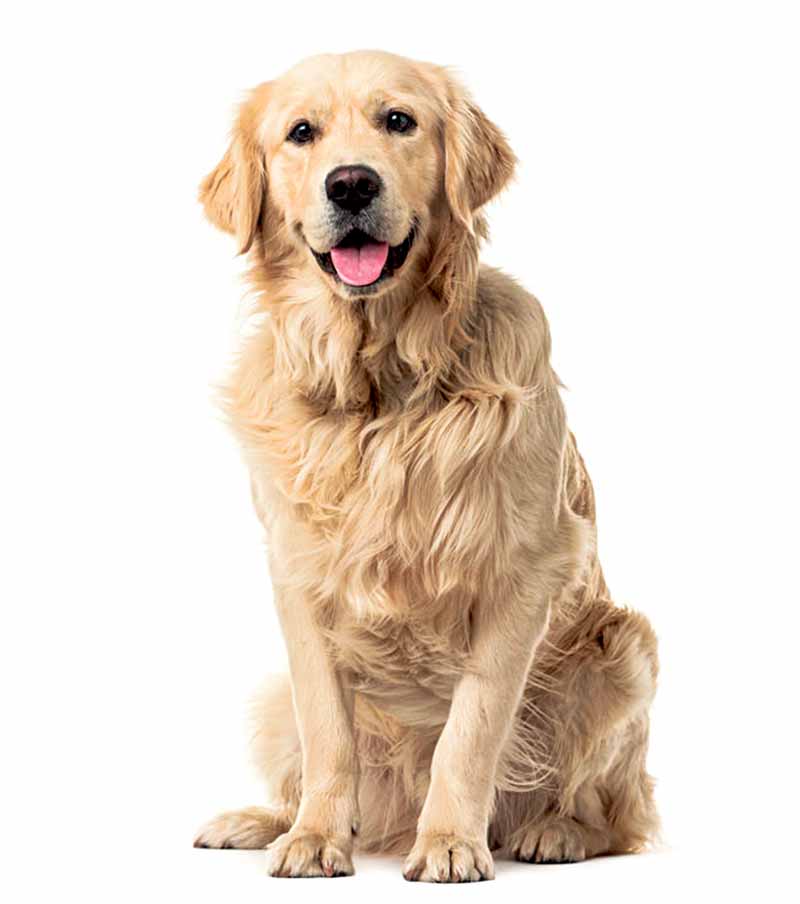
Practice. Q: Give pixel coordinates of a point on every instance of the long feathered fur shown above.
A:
(409, 456)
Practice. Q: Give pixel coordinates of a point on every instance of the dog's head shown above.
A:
(359, 162)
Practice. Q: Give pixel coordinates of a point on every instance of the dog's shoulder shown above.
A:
(511, 329)
(501, 292)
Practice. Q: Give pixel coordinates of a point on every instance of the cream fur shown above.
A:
(460, 680)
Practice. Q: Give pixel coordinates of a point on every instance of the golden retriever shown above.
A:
(460, 681)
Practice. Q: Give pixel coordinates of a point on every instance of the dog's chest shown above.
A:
(391, 559)
(406, 503)
(390, 521)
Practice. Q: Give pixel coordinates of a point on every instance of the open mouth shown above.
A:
(360, 260)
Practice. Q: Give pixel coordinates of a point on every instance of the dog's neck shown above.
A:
(400, 348)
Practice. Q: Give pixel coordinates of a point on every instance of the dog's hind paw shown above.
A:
(551, 841)
(251, 829)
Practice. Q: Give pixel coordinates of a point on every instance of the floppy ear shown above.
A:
(233, 195)
(478, 159)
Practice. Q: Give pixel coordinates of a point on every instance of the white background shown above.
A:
(656, 215)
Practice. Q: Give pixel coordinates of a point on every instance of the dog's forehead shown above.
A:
(352, 79)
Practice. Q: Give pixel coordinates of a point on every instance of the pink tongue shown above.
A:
(360, 266)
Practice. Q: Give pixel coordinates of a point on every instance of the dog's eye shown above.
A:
(301, 133)
(397, 121)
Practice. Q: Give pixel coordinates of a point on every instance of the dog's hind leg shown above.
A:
(587, 699)
(276, 754)
(611, 812)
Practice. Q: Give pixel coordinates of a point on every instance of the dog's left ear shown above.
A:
(478, 159)
(234, 194)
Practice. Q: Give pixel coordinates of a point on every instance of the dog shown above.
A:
(460, 681)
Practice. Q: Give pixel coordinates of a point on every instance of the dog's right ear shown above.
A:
(234, 194)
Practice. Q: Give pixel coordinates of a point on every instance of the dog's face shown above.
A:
(353, 161)
(356, 159)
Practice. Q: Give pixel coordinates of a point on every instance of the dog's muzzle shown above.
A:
(360, 260)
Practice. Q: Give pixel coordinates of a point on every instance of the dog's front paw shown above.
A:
(300, 854)
(448, 858)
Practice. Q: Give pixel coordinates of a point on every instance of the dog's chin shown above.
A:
(360, 266)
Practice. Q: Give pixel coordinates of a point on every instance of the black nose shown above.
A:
(352, 187)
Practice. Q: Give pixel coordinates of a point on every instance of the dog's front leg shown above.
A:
(451, 843)
(320, 841)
